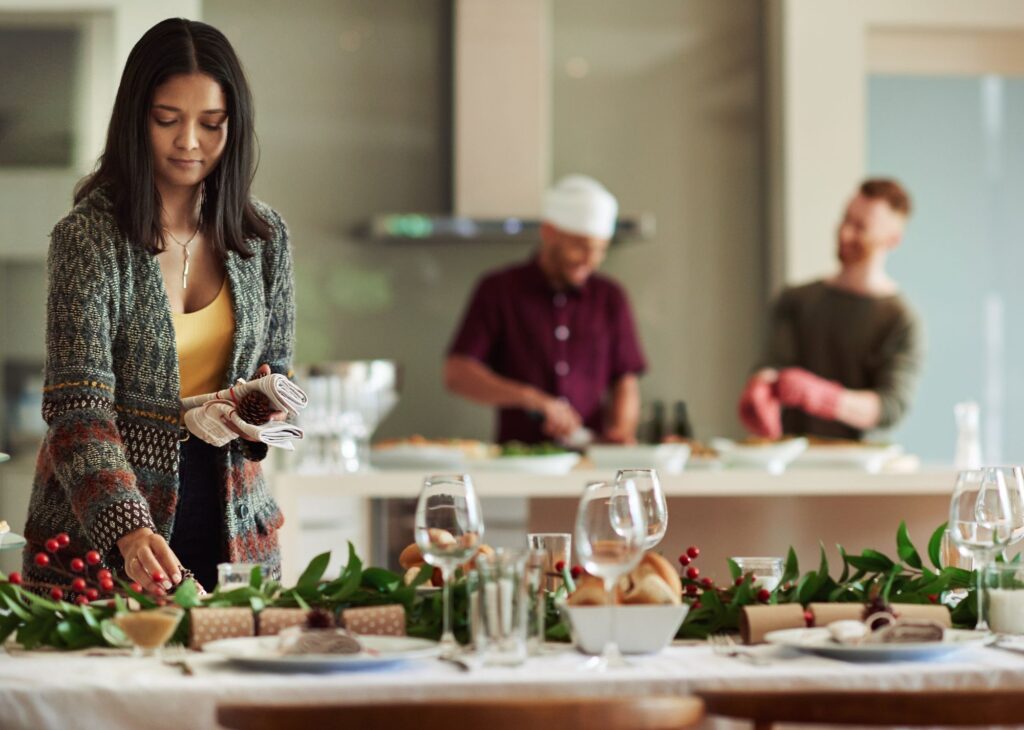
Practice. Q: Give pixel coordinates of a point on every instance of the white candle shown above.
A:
(1006, 610)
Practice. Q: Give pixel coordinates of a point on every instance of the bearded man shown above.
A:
(844, 353)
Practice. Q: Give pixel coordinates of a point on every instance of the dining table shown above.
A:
(112, 689)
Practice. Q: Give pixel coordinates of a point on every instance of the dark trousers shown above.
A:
(198, 536)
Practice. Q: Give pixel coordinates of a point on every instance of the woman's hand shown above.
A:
(146, 554)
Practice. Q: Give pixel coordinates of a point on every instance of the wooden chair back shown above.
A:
(627, 713)
(943, 708)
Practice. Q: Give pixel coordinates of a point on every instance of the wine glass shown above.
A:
(610, 534)
(449, 530)
(981, 522)
(1013, 476)
(652, 498)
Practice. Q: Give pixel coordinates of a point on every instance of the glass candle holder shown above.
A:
(1003, 584)
(767, 572)
(234, 575)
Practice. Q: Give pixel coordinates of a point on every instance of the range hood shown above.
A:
(501, 131)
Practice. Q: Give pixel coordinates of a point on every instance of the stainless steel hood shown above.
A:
(501, 131)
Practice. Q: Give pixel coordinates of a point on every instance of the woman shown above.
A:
(166, 280)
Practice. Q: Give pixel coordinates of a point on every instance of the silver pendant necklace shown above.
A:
(184, 247)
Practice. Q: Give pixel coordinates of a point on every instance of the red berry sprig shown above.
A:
(85, 588)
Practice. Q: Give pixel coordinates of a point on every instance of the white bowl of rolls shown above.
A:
(648, 610)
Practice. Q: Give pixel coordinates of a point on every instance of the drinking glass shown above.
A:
(611, 529)
(449, 530)
(981, 522)
(557, 548)
(652, 498)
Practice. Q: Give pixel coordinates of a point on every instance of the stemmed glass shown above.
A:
(652, 498)
(449, 530)
(1013, 476)
(610, 532)
(981, 522)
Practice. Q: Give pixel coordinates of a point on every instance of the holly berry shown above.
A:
(739, 581)
(78, 585)
(92, 557)
(42, 560)
(63, 539)
(707, 582)
(693, 572)
(693, 551)
(104, 574)
(161, 602)
(158, 577)
(158, 591)
(111, 604)
(763, 595)
(933, 597)
(695, 605)
(77, 565)
(576, 572)
(14, 579)
(51, 546)
(809, 618)
(107, 585)
(81, 600)
(684, 560)
(92, 594)
(56, 594)
(692, 589)
(560, 566)
(137, 587)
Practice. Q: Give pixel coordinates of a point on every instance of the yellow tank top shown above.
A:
(205, 339)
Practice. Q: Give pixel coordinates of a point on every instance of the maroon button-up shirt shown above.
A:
(573, 344)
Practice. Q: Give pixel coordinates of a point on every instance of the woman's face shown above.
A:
(188, 129)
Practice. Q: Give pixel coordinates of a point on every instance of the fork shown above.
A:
(725, 645)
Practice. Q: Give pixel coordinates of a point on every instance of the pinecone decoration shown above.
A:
(255, 408)
(317, 618)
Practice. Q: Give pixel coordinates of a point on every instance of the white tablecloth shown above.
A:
(40, 690)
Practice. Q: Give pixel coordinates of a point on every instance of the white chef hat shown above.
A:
(581, 205)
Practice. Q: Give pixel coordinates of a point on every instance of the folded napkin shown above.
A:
(207, 416)
(210, 423)
(282, 393)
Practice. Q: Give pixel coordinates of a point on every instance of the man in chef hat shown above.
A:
(550, 342)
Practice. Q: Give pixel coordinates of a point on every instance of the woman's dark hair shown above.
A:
(171, 47)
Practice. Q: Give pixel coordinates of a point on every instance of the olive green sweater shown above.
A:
(864, 343)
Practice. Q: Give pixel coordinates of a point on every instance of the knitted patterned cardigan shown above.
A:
(109, 462)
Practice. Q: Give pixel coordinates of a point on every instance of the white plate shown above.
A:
(419, 457)
(12, 541)
(546, 464)
(668, 458)
(773, 457)
(868, 457)
(260, 652)
(819, 641)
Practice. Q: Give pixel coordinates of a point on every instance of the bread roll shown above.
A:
(589, 592)
(664, 569)
(653, 581)
(411, 557)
